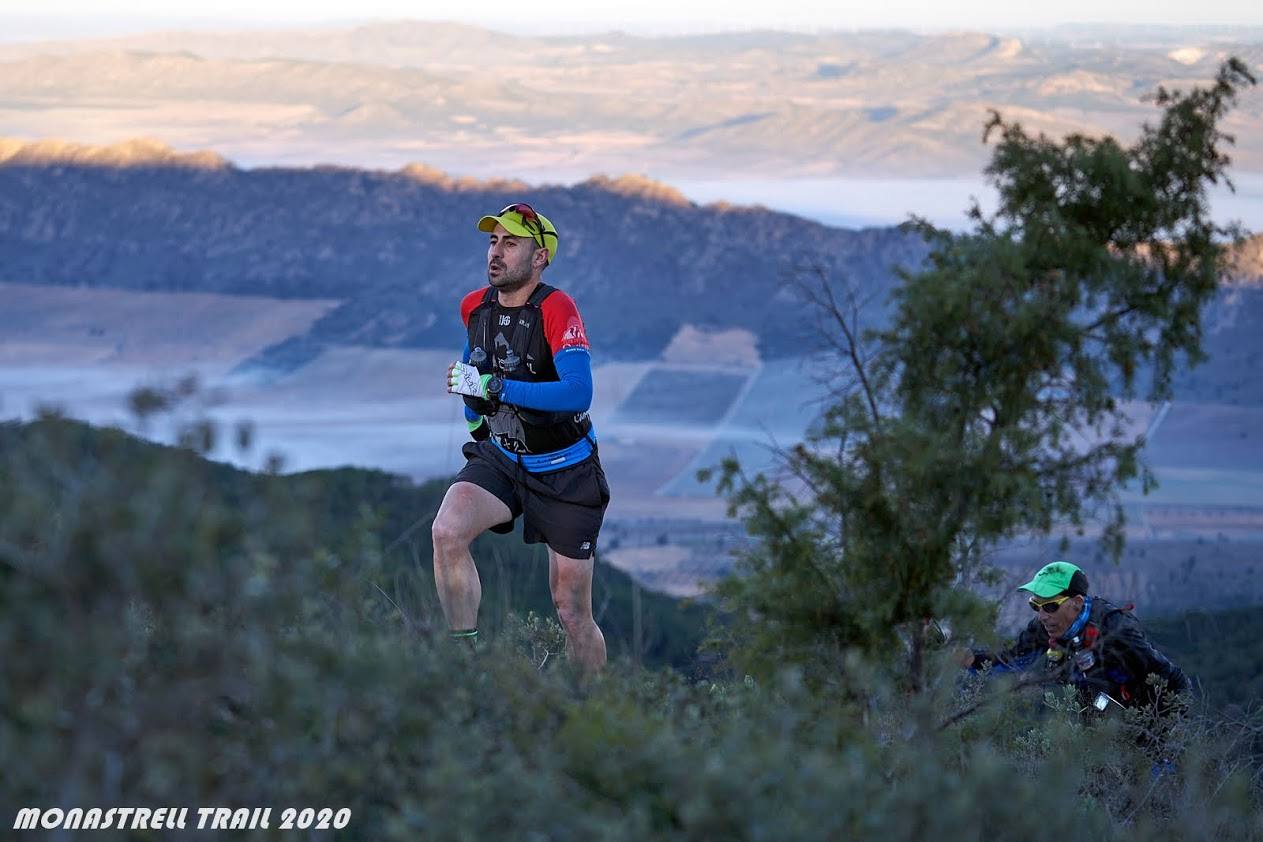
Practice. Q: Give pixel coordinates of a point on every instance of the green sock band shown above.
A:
(464, 633)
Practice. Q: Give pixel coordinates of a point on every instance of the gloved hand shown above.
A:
(463, 379)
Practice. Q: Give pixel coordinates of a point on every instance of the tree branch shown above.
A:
(852, 347)
(969, 711)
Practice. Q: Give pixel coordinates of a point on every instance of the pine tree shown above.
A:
(991, 405)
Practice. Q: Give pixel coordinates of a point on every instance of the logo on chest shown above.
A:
(506, 359)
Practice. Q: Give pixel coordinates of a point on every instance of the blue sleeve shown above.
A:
(1021, 663)
(572, 391)
(1023, 655)
(470, 415)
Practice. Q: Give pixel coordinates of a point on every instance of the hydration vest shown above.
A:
(1088, 670)
(510, 342)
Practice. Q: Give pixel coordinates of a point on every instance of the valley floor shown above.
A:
(658, 423)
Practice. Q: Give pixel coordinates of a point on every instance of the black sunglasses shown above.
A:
(529, 215)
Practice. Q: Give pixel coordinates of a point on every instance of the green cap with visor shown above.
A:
(1053, 579)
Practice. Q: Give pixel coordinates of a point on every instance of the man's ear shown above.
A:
(546, 256)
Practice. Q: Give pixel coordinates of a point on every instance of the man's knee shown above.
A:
(572, 596)
(449, 539)
(573, 616)
(565, 606)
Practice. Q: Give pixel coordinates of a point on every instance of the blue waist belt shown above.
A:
(541, 463)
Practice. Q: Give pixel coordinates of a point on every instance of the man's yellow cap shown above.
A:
(521, 220)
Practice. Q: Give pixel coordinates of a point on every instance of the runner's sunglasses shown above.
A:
(1050, 606)
(529, 215)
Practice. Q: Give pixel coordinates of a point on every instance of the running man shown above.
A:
(526, 379)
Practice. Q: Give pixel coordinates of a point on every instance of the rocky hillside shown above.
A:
(399, 248)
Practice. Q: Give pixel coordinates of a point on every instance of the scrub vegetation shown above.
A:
(178, 633)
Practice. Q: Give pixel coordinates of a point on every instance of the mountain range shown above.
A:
(472, 100)
(398, 249)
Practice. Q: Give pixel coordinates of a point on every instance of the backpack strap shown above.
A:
(541, 292)
(1126, 609)
(483, 312)
(490, 296)
(535, 302)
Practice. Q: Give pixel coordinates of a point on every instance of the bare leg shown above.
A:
(571, 582)
(467, 511)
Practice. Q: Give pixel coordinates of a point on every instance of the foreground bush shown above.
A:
(174, 645)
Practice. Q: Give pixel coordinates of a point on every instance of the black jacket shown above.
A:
(1110, 655)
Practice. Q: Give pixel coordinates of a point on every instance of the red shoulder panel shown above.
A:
(563, 327)
(468, 303)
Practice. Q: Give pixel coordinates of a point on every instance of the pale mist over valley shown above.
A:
(288, 214)
(853, 128)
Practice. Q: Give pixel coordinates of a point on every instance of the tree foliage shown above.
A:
(992, 404)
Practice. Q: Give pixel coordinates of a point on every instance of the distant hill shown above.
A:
(890, 103)
(400, 248)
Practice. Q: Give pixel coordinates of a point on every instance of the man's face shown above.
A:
(1063, 618)
(510, 260)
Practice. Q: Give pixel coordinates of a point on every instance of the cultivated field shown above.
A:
(658, 422)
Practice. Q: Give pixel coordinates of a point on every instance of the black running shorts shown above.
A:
(563, 509)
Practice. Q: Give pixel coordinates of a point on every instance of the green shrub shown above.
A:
(173, 639)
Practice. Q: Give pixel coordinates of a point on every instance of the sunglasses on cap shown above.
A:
(1049, 606)
(530, 219)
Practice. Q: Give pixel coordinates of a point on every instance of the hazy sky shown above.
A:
(27, 18)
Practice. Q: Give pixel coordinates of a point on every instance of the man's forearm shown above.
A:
(571, 392)
(1022, 655)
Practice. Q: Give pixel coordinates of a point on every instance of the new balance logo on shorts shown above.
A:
(586, 545)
